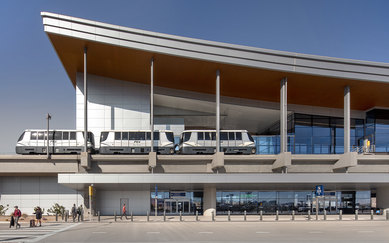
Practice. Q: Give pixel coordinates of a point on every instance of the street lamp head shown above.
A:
(48, 116)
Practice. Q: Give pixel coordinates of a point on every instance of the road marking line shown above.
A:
(153, 232)
(315, 232)
(55, 232)
(206, 232)
(262, 232)
(99, 232)
(365, 231)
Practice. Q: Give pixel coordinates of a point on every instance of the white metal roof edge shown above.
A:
(215, 51)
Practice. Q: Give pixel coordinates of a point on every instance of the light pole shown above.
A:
(48, 123)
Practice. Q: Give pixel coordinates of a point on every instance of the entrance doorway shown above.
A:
(348, 202)
(328, 202)
(175, 206)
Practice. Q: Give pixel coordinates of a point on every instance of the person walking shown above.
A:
(79, 213)
(38, 216)
(124, 212)
(74, 212)
(17, 214)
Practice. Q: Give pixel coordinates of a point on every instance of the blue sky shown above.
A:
(33, 81)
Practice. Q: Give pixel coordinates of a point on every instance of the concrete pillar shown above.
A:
(382, 194)
(346, 119)
(209, 200)
(283, 117)
(85, 103)
(217, 111)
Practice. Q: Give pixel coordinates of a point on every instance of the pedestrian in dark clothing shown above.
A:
(124, 212)
(79, 213)
(17, 214)
(38, 216)
(74, 212)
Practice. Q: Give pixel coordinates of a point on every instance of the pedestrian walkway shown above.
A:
(27, 234)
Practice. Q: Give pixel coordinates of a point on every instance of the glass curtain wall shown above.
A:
(377, 130)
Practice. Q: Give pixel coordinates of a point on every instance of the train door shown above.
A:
(33, 139)
(58, 142)
(200, 139)
(223, 140)
(65, 140)
(207, 139)
(238, 139)
(73, 139)
(117, 139)
(231, 139)
(125, 142)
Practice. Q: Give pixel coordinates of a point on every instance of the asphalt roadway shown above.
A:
(297, 231)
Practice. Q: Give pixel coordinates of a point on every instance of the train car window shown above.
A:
(140, 136)
(57, 135)
(223, 136)
(231, 136)
(207, 136)
(33, 135)
(251, 138)
(103, 136)
(21, 137)
(238, 136)
(41, 135)
(170, 136)
(73, 136)
(50, 135)
(65, 135)
(156, 135)
(124, 135)
(187, 136)
(118, 136)
(213, 135)
(200, 136)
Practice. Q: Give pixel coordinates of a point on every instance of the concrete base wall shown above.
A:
(28, 192)
(107, 202)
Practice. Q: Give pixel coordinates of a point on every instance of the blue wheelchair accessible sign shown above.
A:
(319, 190)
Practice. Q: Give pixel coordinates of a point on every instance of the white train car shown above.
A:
(204, 142)
(136, 142)
(34, 141)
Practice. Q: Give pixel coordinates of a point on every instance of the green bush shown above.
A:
(56, 209)
(3, 209)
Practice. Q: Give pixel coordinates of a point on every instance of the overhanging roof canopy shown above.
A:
(191, 64)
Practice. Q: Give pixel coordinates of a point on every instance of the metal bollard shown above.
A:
(309, 214)
(66, 217)
(293, 213)
(132, 217)
(164, 215)
(325, 214)
(387, 214)
(148, 216)
(356, 214)
(180, 216)
(63, 215)
(245, 215)
(229, 215)
(98, 216)
(371, 214)
(276, 214)
(261, 215)
(340, 214)
(197, 215)
(115, 215)
(56, 217)
(317, 214)
(213, 216)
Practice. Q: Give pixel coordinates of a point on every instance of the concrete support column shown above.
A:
(382, 194)
(209, 200)
(85, 103)
(217, 111)
(346, 119)
(283, 117)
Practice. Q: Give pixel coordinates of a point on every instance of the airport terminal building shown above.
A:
(315, 121)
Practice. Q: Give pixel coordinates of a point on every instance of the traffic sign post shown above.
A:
(156, 201)
(319, 192)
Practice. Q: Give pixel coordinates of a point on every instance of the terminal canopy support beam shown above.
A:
(346, 119)
(85, 103)
(283, 117)
(217, 111)
(152, 104)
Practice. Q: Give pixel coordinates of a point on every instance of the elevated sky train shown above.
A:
(136, 142)
(204, 142)
(34, 141)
